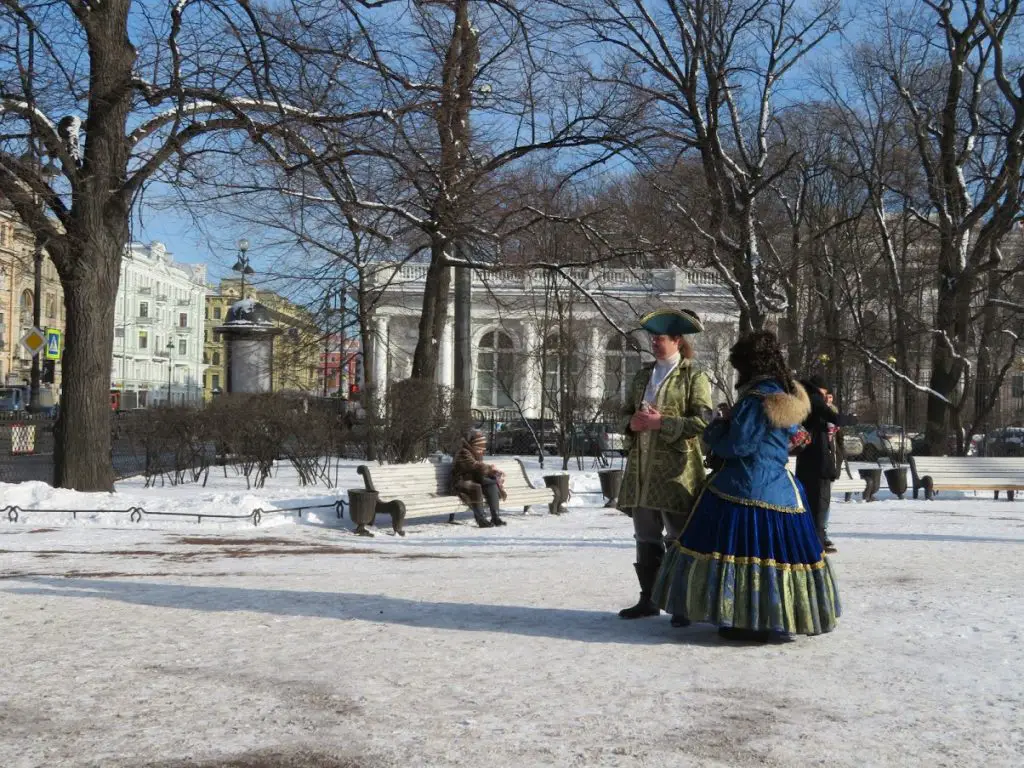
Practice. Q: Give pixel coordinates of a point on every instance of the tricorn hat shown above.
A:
(671, 322)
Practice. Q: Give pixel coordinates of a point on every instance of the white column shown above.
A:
(595, 366)
(532, 385)
(380, 356)
(446, 363)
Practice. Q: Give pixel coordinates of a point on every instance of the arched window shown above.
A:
(495, 371)
(216, 358)
(26, 302)
(621, 362)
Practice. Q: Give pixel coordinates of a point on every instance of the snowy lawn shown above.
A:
(172, 643)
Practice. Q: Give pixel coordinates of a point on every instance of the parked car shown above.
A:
(600, 439)
(919, 443)
(517, 438)
(13, 399)
(1008, 441)
(881, 440)
(853, 444)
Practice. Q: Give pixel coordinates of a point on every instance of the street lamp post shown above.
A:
(170, 349)
(48, 172)
(37, 319)
(242, 265)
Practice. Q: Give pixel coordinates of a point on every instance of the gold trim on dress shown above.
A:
(762, 504)
(752, 560)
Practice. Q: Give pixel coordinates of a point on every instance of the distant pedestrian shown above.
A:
(666, 409)
(819, 464)
(474, 480)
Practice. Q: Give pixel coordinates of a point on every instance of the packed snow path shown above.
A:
(302, 645)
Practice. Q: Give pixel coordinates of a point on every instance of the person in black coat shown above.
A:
(819, 463)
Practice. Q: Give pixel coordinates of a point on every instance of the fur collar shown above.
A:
(786, 410)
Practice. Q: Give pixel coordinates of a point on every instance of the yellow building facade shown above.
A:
(17, 301)
(297, 350)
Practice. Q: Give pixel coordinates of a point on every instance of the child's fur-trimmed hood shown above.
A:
(786, 410)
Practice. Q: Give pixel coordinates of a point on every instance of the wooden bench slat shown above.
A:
(967, 473)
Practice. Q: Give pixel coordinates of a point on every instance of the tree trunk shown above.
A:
(952, 318)
(371, 401)
(82, 453)
(89, 259)
(435, 313)
(989, 375)
(792, 321)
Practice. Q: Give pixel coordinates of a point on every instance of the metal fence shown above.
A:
(27, 449)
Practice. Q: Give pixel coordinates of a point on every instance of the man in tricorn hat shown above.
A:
(665, 411)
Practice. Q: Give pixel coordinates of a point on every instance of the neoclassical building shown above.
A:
(535, 333)
(17, 300)
(158, 331)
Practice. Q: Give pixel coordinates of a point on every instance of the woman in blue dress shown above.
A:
(749, 559)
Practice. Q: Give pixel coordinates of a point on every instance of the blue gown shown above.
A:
(749, 557)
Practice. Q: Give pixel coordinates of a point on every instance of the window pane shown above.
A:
(504, 400)
(633, 363)
(612, 375)
(505, 379)
(485, 389)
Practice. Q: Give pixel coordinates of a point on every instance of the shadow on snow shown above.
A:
(554, 622)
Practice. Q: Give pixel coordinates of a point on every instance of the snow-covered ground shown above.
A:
(169, 642)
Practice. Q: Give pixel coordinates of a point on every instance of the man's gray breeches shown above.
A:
(648, 525)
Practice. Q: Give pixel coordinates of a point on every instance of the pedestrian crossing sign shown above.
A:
(53, 343)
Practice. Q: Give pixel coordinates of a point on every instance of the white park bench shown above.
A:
(967, 473)
(423, 490)
(846, 484)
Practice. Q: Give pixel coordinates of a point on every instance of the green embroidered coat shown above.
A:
(665, 469)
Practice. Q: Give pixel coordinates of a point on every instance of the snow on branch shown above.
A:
(1016, 307)
(876, 360)
(952, 350)
(239, 105)
(33, 114)
(45, 127)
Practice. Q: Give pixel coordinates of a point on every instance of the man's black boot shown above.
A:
(648, 561)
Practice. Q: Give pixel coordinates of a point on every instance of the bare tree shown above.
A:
(475, 89)
(112, 95)
(709, 74)
(959, 86)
